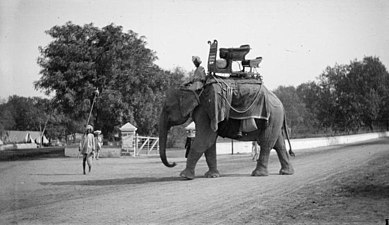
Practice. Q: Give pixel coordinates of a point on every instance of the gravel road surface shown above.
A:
(346, 184)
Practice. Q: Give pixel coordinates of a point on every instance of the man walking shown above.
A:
(87, 147)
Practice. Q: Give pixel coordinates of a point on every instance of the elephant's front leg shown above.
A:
(210, 156)
(191, 161)
(204, 142)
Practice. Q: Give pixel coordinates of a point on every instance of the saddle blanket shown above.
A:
(241, 99)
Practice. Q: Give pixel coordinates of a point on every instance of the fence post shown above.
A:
(232, 146)
(136, 145)
(148, 145)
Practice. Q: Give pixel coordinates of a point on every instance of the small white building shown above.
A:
(128, 132)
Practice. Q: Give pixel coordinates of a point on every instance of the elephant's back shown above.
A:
(272, 98)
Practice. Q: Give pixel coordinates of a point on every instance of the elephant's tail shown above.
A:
(291, 153)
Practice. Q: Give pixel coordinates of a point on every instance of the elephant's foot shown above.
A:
(212, 174)
(289, 171)
(188, 174)
(260, 172)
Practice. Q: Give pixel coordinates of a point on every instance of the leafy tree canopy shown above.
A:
(83, 59)
(296, 111)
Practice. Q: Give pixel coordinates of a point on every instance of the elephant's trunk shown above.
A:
(163, 131)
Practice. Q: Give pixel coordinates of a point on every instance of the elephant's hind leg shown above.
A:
(267, 140)
(286, 166)
(210, 156)
(262, 162)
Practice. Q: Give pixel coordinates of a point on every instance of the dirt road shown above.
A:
(337, 185)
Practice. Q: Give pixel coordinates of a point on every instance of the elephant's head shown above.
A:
(176, 110)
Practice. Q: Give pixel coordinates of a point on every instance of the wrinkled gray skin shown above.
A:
(176, 111)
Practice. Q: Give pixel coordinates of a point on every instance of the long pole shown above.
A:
(43, 131)
(44, 127)
(91, 108)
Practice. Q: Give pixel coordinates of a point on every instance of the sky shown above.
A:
(297, 39)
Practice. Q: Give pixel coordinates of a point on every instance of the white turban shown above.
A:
(196, 58)
(89, 127)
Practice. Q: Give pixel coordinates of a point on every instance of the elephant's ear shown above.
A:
(188, 102)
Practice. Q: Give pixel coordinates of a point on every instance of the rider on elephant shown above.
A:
(197, 81)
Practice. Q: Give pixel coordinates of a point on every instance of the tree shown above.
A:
(309, 93)
(27, 113)
(368, 81)
(296, 111)
(83, 59)
(352, 96)
(7, 121)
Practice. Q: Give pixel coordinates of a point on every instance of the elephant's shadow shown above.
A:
(117, 181)
(243, 175)
(135, 180)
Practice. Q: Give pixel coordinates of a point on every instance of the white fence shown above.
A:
(145, 144)
(236, 147)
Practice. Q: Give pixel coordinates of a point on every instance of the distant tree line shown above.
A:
(344, 99)
(81, 61)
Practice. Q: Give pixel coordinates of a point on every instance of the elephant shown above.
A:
(181, 104)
